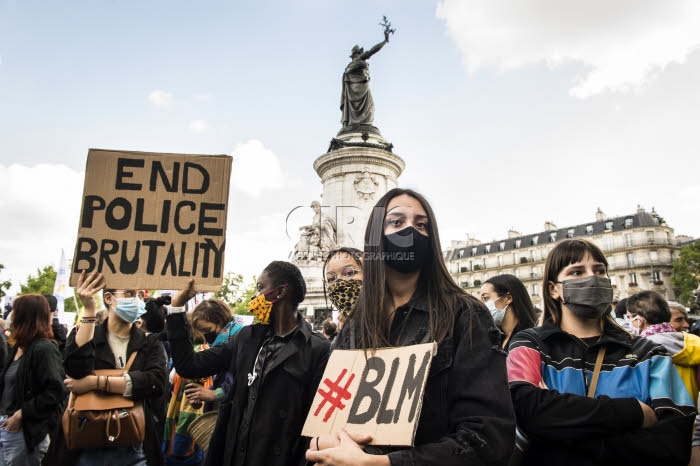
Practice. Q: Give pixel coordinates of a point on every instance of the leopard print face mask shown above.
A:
(344, 293)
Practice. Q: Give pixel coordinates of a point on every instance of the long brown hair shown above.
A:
(30, 320)
(565, 253)
(442, 294)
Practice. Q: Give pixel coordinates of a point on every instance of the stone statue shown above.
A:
(317, 239)
(356, 100)
(326, 228)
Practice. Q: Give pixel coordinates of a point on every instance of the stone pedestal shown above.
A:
(358, 169)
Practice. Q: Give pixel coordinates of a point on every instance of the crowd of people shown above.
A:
(572, 384)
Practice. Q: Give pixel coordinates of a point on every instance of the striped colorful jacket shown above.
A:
(549, 372)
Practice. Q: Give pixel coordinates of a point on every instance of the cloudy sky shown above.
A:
(507, 113)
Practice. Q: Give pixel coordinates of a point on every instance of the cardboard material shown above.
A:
(153, 221)
(378, 394)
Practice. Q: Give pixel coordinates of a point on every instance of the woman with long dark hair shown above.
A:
(585, 391)
(31, 385)
(516, 311)
(408, 297)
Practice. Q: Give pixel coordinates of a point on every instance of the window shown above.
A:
(534, 240)
(655, 277)
(628, 240)
(650, 237)
(517, 242)
(471, 266)
(668, 237)
(461, 253)
(501, 245)
(570, 233)
(552, 236)
(500, 261)
(533, 273)
(629, 222)
(487, 248)
(535, 290)
(484, 262)
(517, 273)
(630, 260)
(589, 229)
(474, 251)
(609, 225)
(654, 256)
(633, 279)
(608, 243)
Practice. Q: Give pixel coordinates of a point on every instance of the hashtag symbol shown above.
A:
(335, 395)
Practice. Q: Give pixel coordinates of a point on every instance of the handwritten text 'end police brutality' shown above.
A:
(157, 255)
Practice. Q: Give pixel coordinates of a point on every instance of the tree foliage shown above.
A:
(4, 285)
(686, 272)
(234, 293)
(43, 283)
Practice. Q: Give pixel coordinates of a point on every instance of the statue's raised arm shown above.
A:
(356, 101)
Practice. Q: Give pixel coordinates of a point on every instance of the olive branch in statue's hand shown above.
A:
(387, 27)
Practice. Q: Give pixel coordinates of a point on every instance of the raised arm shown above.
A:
(87, 288)
(366, 55)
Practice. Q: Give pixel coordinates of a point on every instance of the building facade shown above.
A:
(640, 249)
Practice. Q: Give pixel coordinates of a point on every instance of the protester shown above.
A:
(517, 312)
(59, 330)
(109, 346)
(213, 319)
(653, 319)
(679, 316)
(637, 412)
(277, 365)
(622, 316)
(179, 448)
(408, 297)
(342, 272)
(31, 385)
(330, 329)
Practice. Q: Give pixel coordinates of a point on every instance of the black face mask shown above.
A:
(588, 297)
(210, 337)
(407, 250)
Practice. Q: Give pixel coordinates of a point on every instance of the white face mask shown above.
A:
(496, 313)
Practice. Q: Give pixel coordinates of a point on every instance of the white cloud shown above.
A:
(202, 97)
(161, 98)
(198, 126)
(622, 44)
(40, 208)
(255, 168)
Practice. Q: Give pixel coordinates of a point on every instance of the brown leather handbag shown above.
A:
(104, 420)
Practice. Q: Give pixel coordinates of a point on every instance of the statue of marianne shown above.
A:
(356, 100)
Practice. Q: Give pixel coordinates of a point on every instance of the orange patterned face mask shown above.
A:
(261, 308)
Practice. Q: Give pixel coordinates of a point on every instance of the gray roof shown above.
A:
(639, 219)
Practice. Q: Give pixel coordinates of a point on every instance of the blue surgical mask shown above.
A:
(130, 309)
(496, 313)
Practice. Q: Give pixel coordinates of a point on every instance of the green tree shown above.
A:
(43, 283)
(686, 272)
(234, 293)
(4, 286)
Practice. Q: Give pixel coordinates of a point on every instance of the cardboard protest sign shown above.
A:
(151, 220)
(378, 394)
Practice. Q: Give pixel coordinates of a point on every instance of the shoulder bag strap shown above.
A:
(131, 360)
(596, 372)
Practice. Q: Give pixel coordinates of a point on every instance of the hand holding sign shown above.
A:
(346, 452)
(184, 295)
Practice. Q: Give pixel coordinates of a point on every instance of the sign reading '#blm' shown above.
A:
(152, 220)
(378, 394)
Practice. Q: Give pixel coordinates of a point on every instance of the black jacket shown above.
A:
(281, 402)
(59, 333)
(467, 416)
(148, 373)
(40, 388)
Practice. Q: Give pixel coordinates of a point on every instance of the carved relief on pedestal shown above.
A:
(366, 186)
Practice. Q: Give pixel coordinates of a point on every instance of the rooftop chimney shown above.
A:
(513, 234)
(549, 226)
(599, 215)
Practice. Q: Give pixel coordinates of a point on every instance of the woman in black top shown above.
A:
(276, 366)
(31, 385)
(510, 306)
(408, 297)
